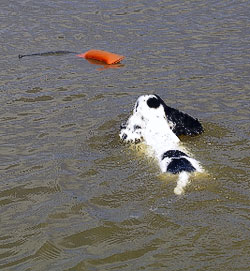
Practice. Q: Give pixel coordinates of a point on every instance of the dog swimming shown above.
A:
(159, 127)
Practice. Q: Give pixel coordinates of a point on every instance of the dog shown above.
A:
(159, 127)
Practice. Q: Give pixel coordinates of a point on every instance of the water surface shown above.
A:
(72, 197)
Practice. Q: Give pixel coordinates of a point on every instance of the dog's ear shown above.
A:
(153, 102)
(183, 123)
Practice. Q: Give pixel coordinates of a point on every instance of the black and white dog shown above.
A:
(159, 126)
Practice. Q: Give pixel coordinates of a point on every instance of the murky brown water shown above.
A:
(72, 197)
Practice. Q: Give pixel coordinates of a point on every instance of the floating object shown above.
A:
(103, 56)
(94, 56)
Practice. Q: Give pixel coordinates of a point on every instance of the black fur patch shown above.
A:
(153, 102)
(136, 127)
(177, 165)
(136, 106)
(173, 153)
(183, 123)
(124, 136)
(123, 126)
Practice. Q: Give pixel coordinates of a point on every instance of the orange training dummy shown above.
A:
(107, 57)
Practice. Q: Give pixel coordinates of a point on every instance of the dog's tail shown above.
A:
(182, 182)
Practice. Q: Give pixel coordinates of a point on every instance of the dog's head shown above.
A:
(148, 110)
(151, 108)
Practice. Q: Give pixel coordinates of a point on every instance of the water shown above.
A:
(72, 197)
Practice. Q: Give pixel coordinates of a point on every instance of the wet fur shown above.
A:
(158, 126)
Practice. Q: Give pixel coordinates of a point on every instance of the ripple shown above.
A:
(37, 99)
(72, 197)
(48, 251)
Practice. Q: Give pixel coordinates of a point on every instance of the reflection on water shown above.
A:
(72, 197)
(104, 66)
